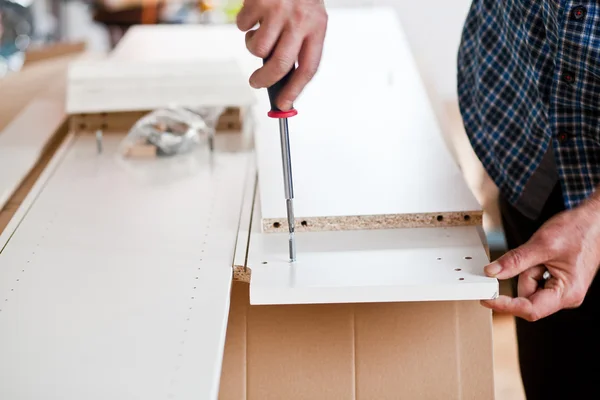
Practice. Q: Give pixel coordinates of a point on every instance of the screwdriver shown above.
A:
(284, 136)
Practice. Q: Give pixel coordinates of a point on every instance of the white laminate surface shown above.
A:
(115, 283)
(400, 265)
(365, 140)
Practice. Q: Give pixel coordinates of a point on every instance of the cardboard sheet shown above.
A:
(438, 350)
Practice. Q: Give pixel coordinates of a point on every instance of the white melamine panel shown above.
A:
(180, 43)
(112, 86)
(366, 140)
(116, 282)
(158, 66)
(421, 264)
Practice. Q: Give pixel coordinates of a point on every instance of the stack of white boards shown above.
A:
(116, 277)
(154, 67)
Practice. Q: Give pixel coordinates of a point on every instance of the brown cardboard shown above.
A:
(425, 350)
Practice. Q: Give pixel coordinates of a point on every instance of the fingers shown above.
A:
(260, 42)
(529, 281)
(247, 17)
(281, 61)
(539, 305)
(518, 260)
(308, 63)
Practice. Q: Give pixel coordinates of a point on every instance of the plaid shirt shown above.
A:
(529, 78)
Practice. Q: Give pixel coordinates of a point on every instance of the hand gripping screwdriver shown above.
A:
(284, 136)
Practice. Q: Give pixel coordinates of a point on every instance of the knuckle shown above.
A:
(259, 49)
(576, 297)
(532, 316)
(299, 15)
(281, 65)
(323, 19)
(516, 257)
(309, 71)
(276, 8)
(549, 241)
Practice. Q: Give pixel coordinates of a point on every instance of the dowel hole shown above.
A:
(440, 218)
(439, 258)
(467, 217)
(276, 224)
(458, 269)
(264, 262)
(304, 223)
(461, 279)
(468, 258)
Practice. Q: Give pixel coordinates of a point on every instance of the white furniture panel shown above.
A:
(116, 282)
(420, 264)
(159, 66)
(366, 140)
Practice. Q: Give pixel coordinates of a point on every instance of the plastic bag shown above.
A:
(165, 132)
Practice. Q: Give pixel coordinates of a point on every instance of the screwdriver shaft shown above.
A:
(288, 183)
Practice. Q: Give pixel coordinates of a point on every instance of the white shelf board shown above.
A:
(112, 86)
(116, 281)
(399, 265)
(365, 140)
(158, 66)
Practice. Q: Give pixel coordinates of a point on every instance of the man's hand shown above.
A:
(289, 31)
(568, 248)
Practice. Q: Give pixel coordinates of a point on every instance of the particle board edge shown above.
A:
(383, 221)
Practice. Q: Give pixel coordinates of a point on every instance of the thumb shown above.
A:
(516, 261)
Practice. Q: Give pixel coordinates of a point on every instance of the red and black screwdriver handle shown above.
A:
(274, 92)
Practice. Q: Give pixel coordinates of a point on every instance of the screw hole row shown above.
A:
(278, 224)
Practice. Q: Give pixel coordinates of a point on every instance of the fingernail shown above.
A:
(254, 85)
(493, 269)
(485, 303)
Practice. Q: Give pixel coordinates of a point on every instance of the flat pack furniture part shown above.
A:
(153, 68)
(366, 148)
(116, 86)
(394, 265)
(115, 276)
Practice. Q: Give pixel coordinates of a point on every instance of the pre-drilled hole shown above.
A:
(304, 223)
(264, 262)
(440, 218)
(439, 258)
(467, 217)
(468, 258)
(458, 269)
(461, 279)
(276, 224)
